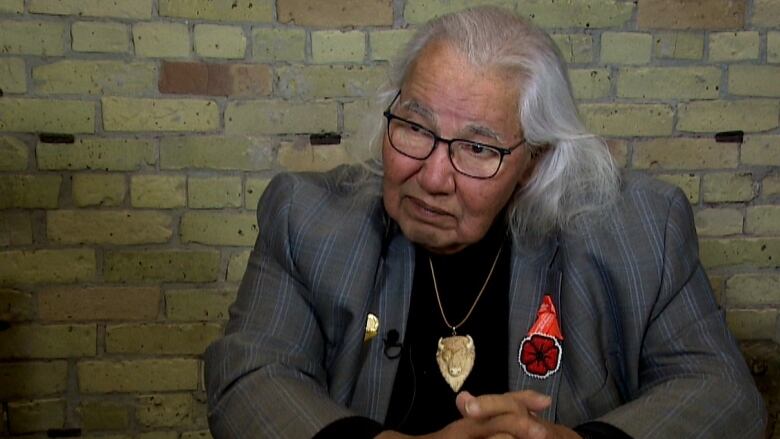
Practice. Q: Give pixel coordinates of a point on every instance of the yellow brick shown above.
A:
(332, 46)
(93, 8)
(420, 11)
(46, 266)
(280, 117)
(48, 341)
(680, 14)
(753, 324)
(12, 75)
(97, 153)
(44, 38)
(575, 48)
(312, 158)
(16, 306)
(237, 266)
(95, 78)
(162, 266)
(626, 48)
(165, 410)
(746, 115)
(718, 222)
(108, 227)
(773, 47)
(618, 149)
(13, 154)
(129, 114)
(761, 150)
(336, 13)
(161, 40)
(689, 183)
(214, 192)
(48, 116)
(254, 190)
(158, 191)
(239, 10)
(628, 119)
(733, 46)
(98, 303)
(234, 153)
(32, 379)
(749, 80)
(15, 229)
(99, 189)
(278, 44)
(358, 115)
(161, 338)
(685, 153)
(679, 45)
(762, 220)
(329, 81)
(753, 290)
(215, 228)
(11, 7)
(103, 415)
(90, 36)
(32, 416)
(669, 83)
(387, 44)
(753, 252)
(217, 41)
(29, 191)
(198, 305)
(138, 375)
(770, 186)
(202, 434)
(766, 13)
(728, 187)
(577, 13)
(590, 83)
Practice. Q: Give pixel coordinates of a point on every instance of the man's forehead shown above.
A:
(473, 127)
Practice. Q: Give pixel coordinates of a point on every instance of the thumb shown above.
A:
(534, 401)
(461, 400)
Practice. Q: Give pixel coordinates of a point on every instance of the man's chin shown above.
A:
(432, 239)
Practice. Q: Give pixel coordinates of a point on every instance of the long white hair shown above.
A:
(575, 174)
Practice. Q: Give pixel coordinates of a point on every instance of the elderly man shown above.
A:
(489, 276)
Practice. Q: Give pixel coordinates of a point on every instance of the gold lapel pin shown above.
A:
(372, 327)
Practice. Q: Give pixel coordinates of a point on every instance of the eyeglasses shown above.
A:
(473, 159)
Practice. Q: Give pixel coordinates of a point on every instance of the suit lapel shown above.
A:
(391, 298)
(534, 274)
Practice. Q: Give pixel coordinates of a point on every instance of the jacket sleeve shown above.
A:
(692, 381)
(265, 377)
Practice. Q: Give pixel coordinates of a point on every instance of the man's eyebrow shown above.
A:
(418, 108)
(426, 113)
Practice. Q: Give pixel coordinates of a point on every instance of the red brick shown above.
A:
(100, 303)
(336, 13)
(691, 14)
(243, 80)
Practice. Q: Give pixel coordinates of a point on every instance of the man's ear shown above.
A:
(534, 158)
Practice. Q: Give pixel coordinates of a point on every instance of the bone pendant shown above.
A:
(455, 357)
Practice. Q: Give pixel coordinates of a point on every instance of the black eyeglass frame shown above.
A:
(437, 139)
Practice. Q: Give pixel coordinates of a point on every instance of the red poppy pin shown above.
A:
(540, 351)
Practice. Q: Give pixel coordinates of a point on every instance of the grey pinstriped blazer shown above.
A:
(646, 347)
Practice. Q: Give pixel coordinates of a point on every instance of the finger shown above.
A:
(533, 401)
(516, 426)
(461, 400)
(516, 402)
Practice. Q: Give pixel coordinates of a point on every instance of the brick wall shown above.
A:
(136, 137)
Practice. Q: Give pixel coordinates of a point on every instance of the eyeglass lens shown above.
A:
(468, 158)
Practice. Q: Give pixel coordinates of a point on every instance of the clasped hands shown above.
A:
(508, 416)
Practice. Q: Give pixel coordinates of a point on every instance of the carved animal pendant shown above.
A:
(455, 357)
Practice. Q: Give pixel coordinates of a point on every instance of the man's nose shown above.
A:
(436, 175)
